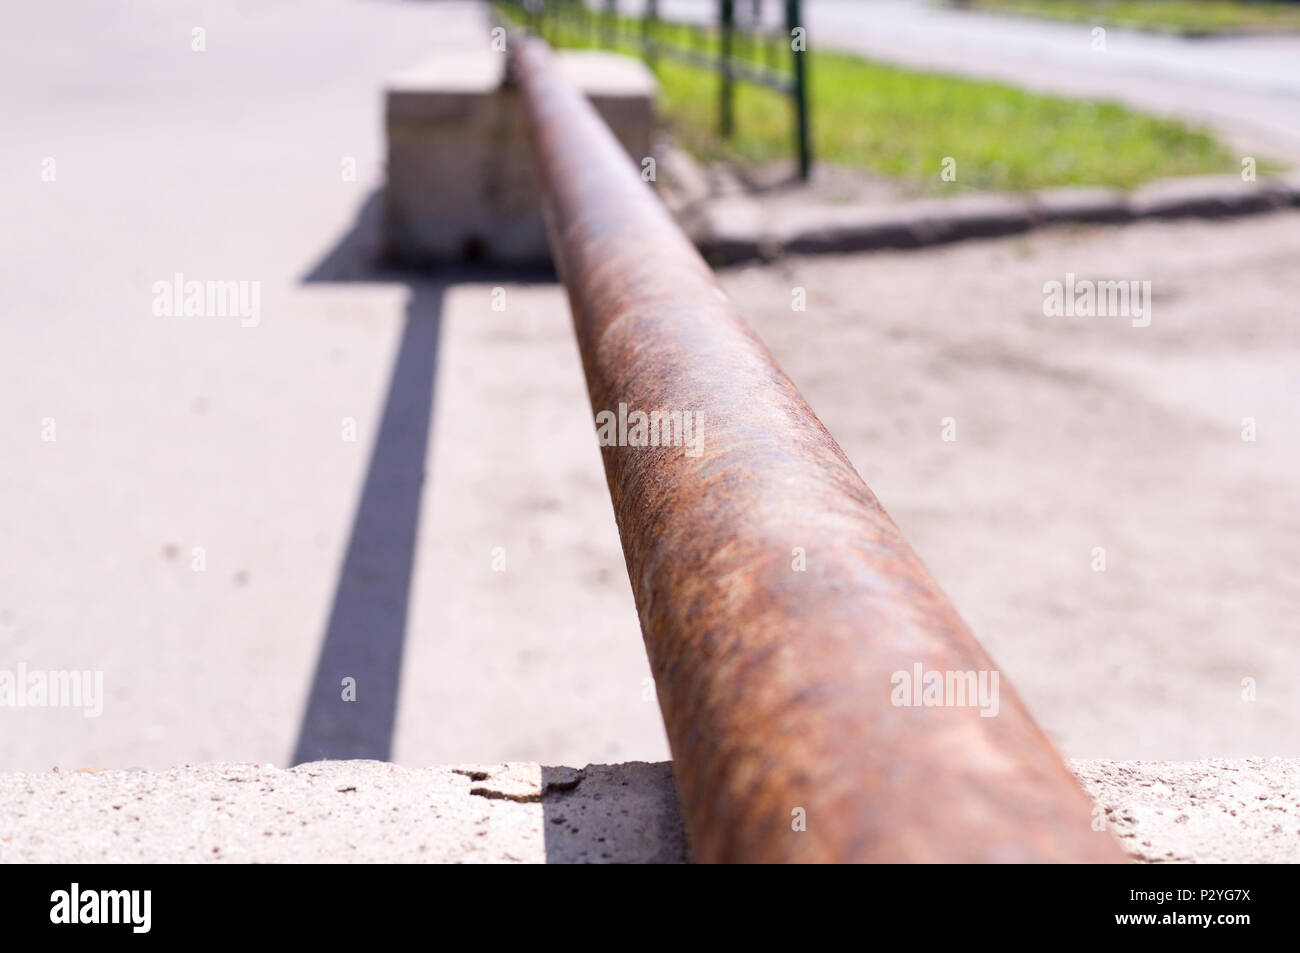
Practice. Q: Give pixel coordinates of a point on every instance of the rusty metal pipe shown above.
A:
(777, 686)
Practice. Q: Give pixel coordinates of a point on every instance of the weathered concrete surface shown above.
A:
(1243, 811)
(460, 179)
(1215, 811)
(344, 811)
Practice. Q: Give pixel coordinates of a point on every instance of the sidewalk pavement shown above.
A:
(384, 471)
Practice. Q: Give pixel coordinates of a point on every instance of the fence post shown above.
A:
(726, 85)
(771, 47)
(611, 22)
(648, 32)
(793, 21)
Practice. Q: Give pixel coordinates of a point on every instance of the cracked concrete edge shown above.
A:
(344, 811)
(1216, 811)
(1212, 811)
(734, 229)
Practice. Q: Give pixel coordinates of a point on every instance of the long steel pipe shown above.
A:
(785, 618)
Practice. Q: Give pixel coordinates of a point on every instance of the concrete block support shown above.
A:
(460, 184)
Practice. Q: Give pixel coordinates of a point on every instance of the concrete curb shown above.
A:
(735, 229)
(344, 812)
(1218, 811)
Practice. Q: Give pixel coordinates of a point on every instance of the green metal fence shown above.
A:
(739, 48)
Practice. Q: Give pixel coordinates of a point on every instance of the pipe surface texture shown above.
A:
(793, 634)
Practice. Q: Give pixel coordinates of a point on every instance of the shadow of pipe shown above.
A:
(366, 629)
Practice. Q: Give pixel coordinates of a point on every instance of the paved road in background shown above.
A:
(1247, 87)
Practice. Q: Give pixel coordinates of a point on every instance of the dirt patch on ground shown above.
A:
(1077, 435)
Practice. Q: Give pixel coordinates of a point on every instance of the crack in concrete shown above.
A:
(549, 786)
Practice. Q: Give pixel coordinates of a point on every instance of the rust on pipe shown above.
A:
(793, 736)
